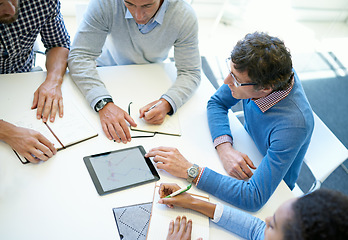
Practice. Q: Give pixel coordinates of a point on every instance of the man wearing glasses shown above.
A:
(277, 116)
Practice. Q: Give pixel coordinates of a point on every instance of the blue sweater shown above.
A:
(282, 135)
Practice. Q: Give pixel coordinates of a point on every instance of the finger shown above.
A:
(45, 142)
(177, 224)
(126, 131)
(47, 109)
(160, 151)
(166, 202)
(61, 107)
(31, 158)
(39, 154)
(40, 106)
(240, 174)
(188, 229)
(183, 224)
(35, 100)
(44, 152)
(171, 228)
(150, 115)
(160, 166)
(106, 131)
(54, 110)
(113, 133)
(142, 112)
(130, 120)
(161, 190)
(249, 162)
(161, 159)
(120, 132)
(247, 171)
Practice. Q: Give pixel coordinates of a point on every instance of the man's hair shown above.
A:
(265, 58)
(322, 214)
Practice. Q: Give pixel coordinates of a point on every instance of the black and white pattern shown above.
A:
(17, 39)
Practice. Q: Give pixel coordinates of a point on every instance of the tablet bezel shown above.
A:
(96, 181)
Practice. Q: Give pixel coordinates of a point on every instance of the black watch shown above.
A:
(101, 104)
(192, 173)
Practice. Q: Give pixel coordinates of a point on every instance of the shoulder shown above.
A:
(181, 9)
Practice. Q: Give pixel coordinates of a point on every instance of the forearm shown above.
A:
(5, 130)
(56, 63)
(186, 84)
(203, 207)
(246, 195)
(217, 112)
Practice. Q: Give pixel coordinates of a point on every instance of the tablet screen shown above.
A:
(116, 170)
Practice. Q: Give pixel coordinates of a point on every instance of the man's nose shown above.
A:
(139, 14)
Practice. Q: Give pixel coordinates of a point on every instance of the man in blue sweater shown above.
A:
(277, 115)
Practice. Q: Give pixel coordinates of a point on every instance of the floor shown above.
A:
(319, 50)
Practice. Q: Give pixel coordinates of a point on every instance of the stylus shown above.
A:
(182, 190)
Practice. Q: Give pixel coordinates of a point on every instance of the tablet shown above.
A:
(120, 169)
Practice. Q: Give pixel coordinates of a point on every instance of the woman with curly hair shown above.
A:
(322, 214)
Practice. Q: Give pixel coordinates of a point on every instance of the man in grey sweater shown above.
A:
(121, 32)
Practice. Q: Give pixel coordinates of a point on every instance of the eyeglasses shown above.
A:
(235, 81)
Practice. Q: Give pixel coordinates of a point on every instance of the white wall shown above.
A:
(304, 10)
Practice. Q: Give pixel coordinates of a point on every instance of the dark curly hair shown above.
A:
(266, 59)
(320, 215)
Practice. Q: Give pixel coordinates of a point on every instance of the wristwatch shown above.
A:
(101, 104)
(192, 172)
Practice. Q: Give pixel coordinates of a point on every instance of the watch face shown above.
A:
(193, 172)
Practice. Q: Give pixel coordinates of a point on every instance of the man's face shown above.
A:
(142, 10)
(243, 92)
(8, 11)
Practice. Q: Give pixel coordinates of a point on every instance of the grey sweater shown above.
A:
(104, 27)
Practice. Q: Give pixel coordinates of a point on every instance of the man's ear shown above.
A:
(266, 90)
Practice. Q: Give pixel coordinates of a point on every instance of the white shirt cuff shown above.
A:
(218, 212)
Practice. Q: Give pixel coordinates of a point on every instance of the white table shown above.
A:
(57, 199)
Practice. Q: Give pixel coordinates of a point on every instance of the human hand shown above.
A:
(48, 99)
(180, 229)
(182, 200)
(29, 143)
(157, 114)
(236, 164)
(171, 160)
(113, 120)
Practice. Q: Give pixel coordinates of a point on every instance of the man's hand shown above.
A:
(29, 143)
(157, 114)
(171, 160)
(113, 120)
(180, 229)
(236, 164)
(48, 99)
(182, 200)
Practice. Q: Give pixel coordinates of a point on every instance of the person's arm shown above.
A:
(187, 59)
(248, 195)
(236, 221)
(28, 143)
(236, 164)
(241, 223)
(48, 97)
(184, 200)
(88, 43)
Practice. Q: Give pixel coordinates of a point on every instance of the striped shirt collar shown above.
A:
(273, 98)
